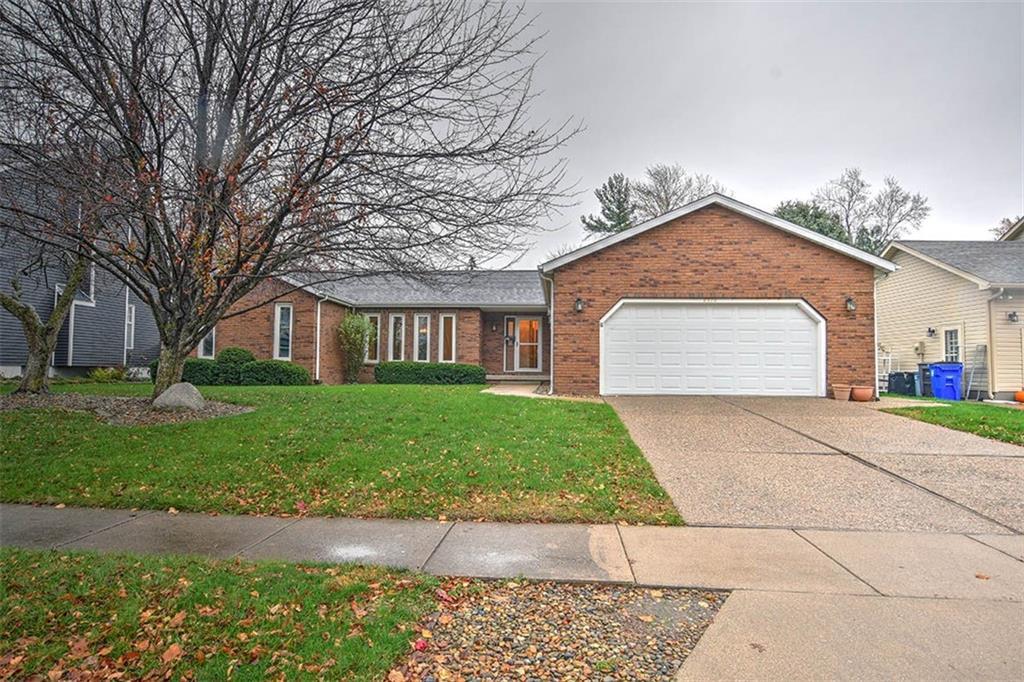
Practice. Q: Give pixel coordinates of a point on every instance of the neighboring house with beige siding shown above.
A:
(956, 301)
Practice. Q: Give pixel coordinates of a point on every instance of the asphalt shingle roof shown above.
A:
(465, 289)
(995, 262)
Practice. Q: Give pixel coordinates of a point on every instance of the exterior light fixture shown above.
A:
(851, 305)
(931, 331)
(578, 305)
(1013, 316)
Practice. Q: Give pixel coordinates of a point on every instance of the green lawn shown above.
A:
(991, 421)
(367, 450)
(86, 616)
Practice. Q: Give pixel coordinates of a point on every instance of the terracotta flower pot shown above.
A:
(841, 392)
(1019, 396)
(862, 394)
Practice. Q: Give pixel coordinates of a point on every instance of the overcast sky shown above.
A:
(773, 99)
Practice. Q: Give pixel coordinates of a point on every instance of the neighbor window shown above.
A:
(373, 343)
(952, 345)
(422, 338)
(208, 346)
(396, 338)
(446, 352)
(129, 327)
(283, 331)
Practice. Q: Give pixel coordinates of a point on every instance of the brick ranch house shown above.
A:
(716, 297)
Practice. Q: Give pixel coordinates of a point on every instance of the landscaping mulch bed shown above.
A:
(549, 631)
(117, 410)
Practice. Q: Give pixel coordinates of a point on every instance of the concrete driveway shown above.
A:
(815, 463)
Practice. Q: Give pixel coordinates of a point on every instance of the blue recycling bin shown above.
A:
(947, 379)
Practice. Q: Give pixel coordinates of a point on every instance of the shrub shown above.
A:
(355, 333)
(273, 373)
(428, 373)
(229, 365)
(107, 375)
(197, 371)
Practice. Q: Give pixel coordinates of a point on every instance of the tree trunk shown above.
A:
(169, 368)
(41, 337)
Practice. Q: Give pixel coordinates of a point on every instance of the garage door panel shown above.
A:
(755, 348)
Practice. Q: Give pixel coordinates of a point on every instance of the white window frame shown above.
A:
(416, 337)
(212, 335)
(129, 326)
(959, 344)
(374, 319)
(278, 307)
(391, 337)
(440, 338)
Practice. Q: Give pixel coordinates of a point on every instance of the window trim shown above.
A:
(959, 344)
(391, 337)
(373, 318)
(129, 322)
(277, 330)
(440, 338)
(213, 353)
(416, 336)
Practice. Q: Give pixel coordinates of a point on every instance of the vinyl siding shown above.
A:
(920, 295)
(1008, 343)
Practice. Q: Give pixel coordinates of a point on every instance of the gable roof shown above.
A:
(988, 264)
(442, 289)
(733, 205)
(1015, 232)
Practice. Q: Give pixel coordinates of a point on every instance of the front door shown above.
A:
(527, 352)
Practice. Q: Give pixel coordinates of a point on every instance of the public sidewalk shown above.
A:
(939, 565)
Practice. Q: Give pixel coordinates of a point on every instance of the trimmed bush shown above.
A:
(273, 373)
(197, 371)
(428, 373)
(229, 365)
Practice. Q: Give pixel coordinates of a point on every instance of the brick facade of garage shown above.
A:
(713, 253)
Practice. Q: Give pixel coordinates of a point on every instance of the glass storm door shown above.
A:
(527, 343)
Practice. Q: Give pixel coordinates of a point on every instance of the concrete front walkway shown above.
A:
(805, 604)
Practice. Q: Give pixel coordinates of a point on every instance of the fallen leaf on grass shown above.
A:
(177, 620)
(172, 653)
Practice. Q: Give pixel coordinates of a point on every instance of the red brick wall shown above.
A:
(467, 334)
(493, 345)
(713, 253)
(254, 329)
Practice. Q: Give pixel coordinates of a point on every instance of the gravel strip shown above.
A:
(551, 631)
(117, 410)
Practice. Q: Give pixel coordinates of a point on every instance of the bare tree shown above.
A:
(870, 222)
(228, 141)
(1004, 226)
(669, 186)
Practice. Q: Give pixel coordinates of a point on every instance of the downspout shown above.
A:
(316, 369)
(990, 351)
(874, 317)
(551, 334)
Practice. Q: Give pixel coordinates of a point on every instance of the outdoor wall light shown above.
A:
(1012, 316)
(578, 305)
(931, 331)
(851, 305)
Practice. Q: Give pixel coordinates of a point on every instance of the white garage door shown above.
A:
(653, 347)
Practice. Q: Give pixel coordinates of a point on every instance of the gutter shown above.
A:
(551, 332)
(316, 372)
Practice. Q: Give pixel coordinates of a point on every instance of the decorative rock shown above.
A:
(180, 396)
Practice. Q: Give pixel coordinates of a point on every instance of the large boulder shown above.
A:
(181, 396)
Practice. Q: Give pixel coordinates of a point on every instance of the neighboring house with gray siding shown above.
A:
(959, 301)
(107, 326)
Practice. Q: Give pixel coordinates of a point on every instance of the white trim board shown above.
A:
(731, 204)
(806, 307)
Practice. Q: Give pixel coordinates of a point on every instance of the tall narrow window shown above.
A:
(447, 343)
(373, 343)
(129, 327)
(952, 345)
(208, 346)
(422, 338)
(396, 338)
(283, 331)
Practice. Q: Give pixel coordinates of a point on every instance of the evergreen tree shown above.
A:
(813, 217)
(617, 207)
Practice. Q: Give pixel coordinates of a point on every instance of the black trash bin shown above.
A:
(903, 383)
(924, 379)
